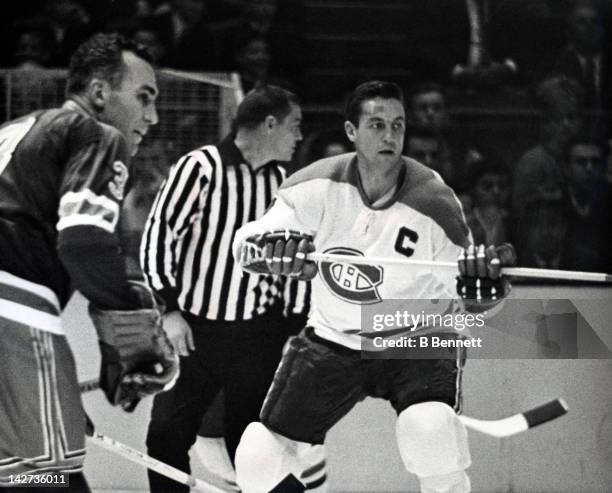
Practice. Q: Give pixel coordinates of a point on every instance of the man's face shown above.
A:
(586, 30)
(425, 150)
(491, 189)
(255, 57)
(584, 160)
(429, 110)
(30, 48)
(566, 120)
(286, 134)
(150, 40)
(379, 136)
(131, 107)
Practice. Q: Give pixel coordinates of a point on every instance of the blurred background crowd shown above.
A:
(508, 100)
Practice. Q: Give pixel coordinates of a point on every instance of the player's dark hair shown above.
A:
(370, 90)
(100, 56)
(263, 102)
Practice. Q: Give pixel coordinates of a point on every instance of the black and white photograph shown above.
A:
(306, 246)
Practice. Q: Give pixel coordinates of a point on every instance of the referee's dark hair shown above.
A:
(370, 90)
(100, 56)
(262, 102)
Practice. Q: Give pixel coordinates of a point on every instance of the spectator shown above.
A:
(72, 24)
(428, 110)
(252, 60)
(539, 178)
(321, 144)
(543, 234)
(587, 207)
(34, 45)
(428, 107)
(265, 18)
(488, 217)
(184, 24)
(148, 34)
(150, 169)
(426, 147)
(583, 58)
(330, 143)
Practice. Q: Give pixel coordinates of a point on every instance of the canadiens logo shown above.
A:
(350, 282)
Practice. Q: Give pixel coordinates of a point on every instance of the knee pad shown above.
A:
(432, 440)
(264, 459)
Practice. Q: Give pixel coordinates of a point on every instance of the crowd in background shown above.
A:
(553, 202)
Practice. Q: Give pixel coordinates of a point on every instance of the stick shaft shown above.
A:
(510, 271)
(145, 460)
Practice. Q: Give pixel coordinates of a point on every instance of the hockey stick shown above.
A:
(145, 460)
(500, 428)
(517, 423)
(569, 275)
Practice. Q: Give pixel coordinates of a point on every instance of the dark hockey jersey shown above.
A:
(62, 179)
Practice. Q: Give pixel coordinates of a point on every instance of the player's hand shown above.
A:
(179, 332)
(282, 252)
(480, 281)
(150, 379)
(132, 342)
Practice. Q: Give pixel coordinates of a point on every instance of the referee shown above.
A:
(228, 327)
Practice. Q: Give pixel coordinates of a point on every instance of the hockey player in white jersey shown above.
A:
(372, 202)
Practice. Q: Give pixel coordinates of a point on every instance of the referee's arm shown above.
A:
(179, 203)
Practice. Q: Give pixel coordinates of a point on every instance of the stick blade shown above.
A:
(546, 412)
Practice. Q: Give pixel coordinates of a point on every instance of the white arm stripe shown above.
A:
(85, 208)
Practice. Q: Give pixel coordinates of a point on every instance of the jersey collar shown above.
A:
(233, 156)
(71, 104)
(385, 204)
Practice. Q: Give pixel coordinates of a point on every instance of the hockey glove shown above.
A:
(281, 252)
(480, 283)
(137, 358)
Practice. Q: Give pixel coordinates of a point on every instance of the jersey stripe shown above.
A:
(186, 251)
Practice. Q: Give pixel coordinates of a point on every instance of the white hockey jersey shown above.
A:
(422, 220)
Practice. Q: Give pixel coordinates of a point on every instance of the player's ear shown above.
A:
(270, 122)
(350, 130)
(98, 92)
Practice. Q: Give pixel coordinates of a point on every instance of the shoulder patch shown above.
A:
(117, 185)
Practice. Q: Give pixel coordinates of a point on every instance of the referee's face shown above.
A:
(286, 134)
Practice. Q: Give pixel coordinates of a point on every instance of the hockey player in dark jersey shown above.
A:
(63, 174)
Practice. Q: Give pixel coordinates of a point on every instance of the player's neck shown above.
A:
(252, 149)
(378, 182)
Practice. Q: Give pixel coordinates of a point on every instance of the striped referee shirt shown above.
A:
(186, 248)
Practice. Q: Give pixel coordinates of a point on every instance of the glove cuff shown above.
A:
(480, 294)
